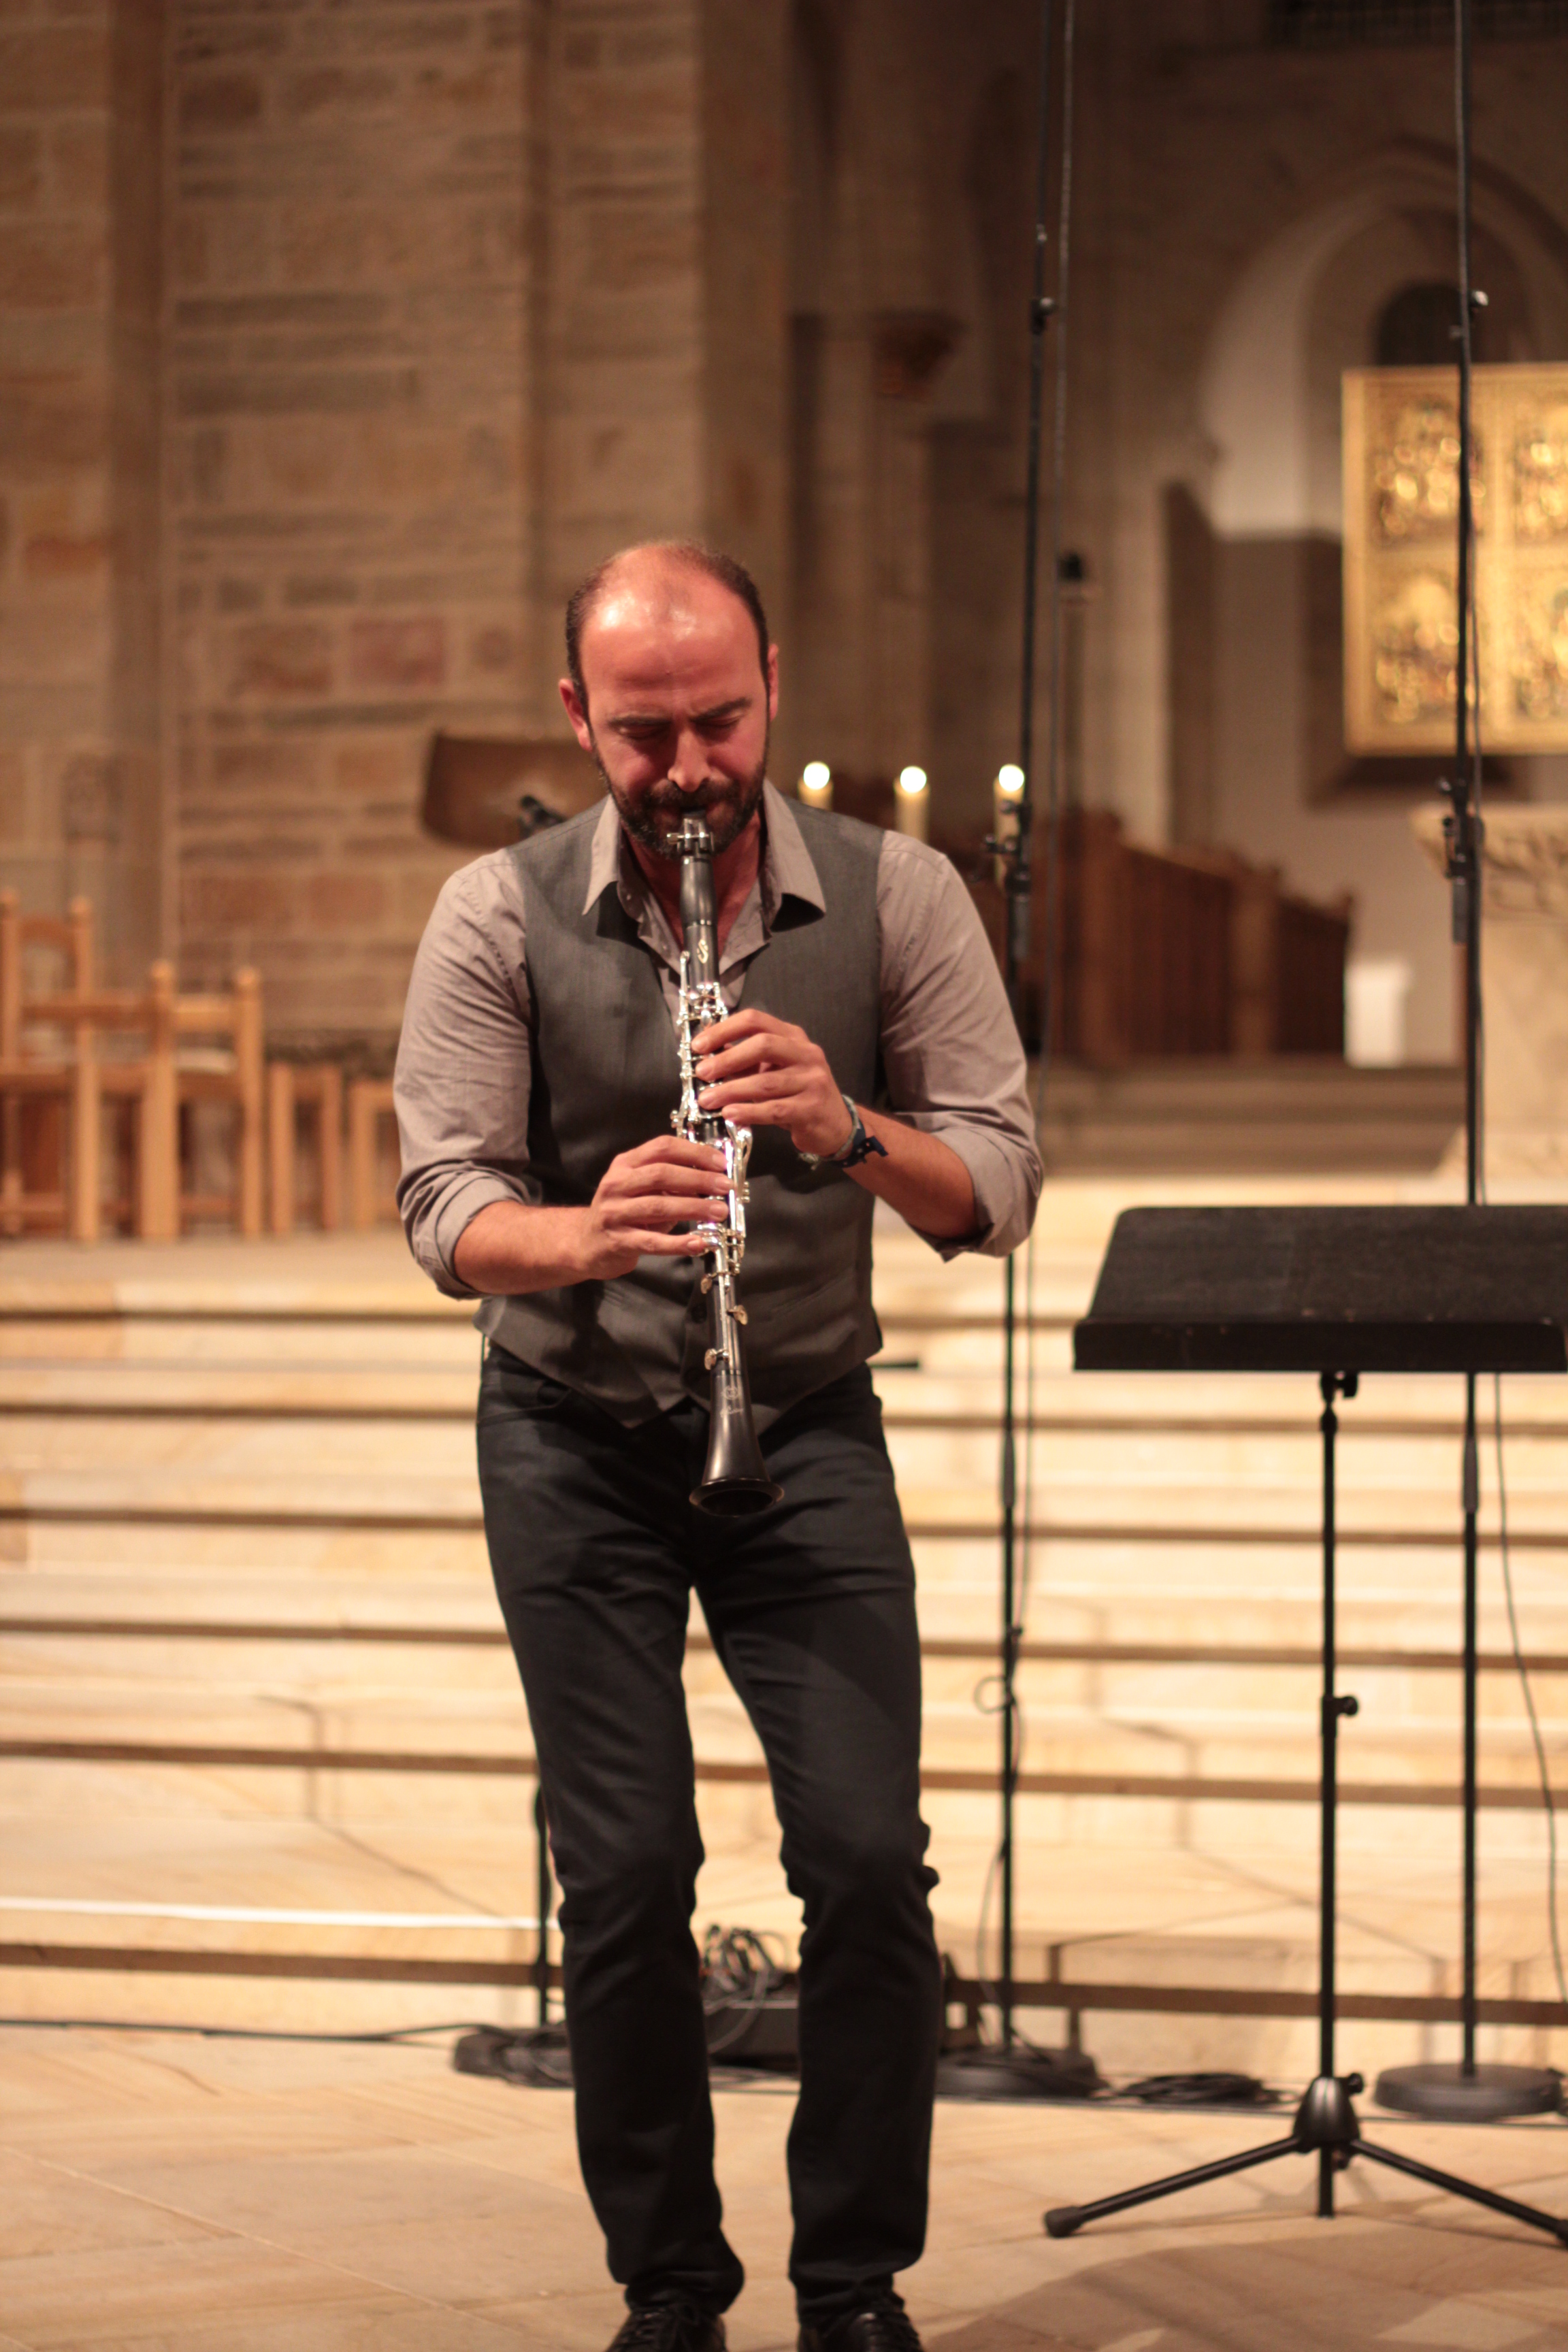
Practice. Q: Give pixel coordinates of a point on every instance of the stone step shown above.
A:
(918, 1390)
(48, 1636)
(1105, 1587)
(203, 1485)
(271, 1445)
(298, 1731)
(181, 1464)
(1090, 1405)
(1298, 1115)
(138, 1615)
(1099, 1138)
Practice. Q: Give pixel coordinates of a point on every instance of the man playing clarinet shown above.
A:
(867, 1046)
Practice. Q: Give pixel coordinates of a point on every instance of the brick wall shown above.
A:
(445, 287)
(338, 337)
(350, 399)
(79, 520)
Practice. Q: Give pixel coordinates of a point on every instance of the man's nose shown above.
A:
(688, 766)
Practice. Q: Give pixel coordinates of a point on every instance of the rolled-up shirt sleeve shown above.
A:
(462, 1082)
(950, 1053)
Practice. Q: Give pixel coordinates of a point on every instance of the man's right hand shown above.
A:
(509, 1248)
(646, 1192)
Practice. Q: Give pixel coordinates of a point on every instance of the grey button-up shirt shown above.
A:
(951, 1054)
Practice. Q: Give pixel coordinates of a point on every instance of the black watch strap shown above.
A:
(859, 1147)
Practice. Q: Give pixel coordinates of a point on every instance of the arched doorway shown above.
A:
(1253, 554)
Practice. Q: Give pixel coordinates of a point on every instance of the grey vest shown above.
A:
(605, 1078)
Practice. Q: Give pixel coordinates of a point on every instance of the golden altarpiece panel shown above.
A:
(1400, 493)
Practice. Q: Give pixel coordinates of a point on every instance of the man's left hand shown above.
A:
(759, 1071)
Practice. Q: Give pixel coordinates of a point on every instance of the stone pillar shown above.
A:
(623, 304)
(1524, 984)
(745, 295)
(666, 315)
(81, 227)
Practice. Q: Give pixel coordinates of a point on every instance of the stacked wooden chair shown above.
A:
(70, 1053)
(103, 1096)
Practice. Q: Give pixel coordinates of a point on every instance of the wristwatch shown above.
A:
(859, 1147)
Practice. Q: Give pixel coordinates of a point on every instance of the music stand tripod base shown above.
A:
(1448, 2095)
(1339, 1292)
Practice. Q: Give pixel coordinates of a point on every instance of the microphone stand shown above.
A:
(1018, 914)
(1016, 2068)
(1468, 2092)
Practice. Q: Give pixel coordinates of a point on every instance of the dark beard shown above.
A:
(729, 808)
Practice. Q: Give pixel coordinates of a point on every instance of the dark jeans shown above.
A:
(810, 1605)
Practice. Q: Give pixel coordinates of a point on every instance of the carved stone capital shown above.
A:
(1524, 860)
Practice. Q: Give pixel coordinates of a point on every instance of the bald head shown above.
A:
(672, 690)
(665, 583)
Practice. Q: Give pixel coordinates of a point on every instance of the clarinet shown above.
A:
(735, 1481)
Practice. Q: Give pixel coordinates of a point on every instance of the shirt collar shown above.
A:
(787, 869)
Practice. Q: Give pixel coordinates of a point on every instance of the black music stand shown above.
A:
(1338, 1292)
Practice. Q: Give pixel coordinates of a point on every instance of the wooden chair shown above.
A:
(144, 1081)
(51, 1163)
(227, 1066)
(186, 1050)
(370, 1102)
(190, 1049)
(151, 1082)
(312, 1087)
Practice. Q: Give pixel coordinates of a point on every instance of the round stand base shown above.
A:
(1021, 2071)
(1484, 2096)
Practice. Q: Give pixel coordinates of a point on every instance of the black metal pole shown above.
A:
(541, 1895)
(1471, 1792)
(1482, 2093)
(1465, 821)
(1468, 891)
(1327, 1890)
(1018, 890)
(1331, 1384)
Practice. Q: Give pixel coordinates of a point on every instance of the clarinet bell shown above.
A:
(735, 1481)
(739, 1497)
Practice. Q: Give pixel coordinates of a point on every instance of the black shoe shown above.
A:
(882, 2325)
(672, 2327)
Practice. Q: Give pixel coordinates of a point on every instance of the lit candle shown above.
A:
(816, 784)
(911, 803)
(1007, 796)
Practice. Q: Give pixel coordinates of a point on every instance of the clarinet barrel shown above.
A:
(735, 1480)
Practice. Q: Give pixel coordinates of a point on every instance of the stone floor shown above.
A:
(175, 2194)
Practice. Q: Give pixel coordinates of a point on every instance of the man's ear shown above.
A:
(577, 712)
(773, 682)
